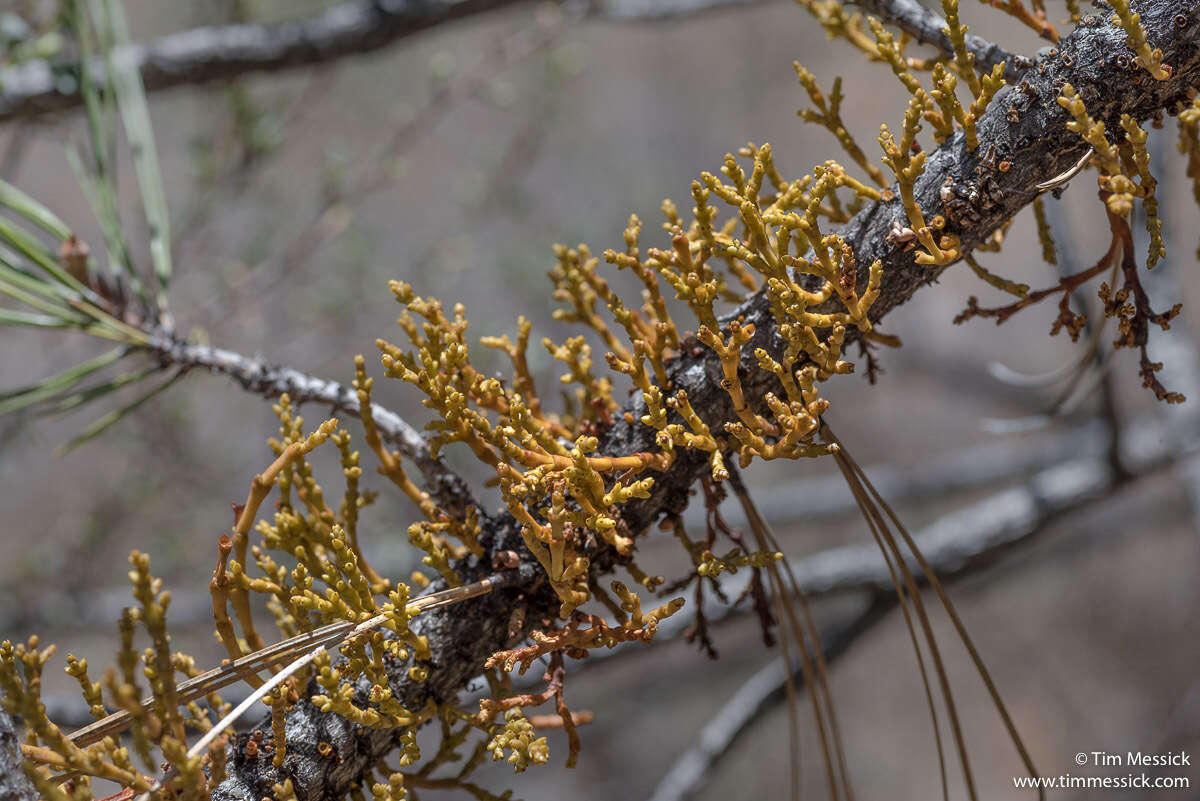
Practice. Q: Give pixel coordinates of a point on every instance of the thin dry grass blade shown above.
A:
(443, 598)
(793, 700)
(951, 611)
(926, 627)
(308, 642)
(813, 663)
(870, 515)
(767, 540)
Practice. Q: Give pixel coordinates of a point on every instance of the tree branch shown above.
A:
(1037, 146)
(805, 500)
(272, 381)
(963, 540)
(216, 53)
(973, 467)
(926, 27)
(222, 52)
(760, 693)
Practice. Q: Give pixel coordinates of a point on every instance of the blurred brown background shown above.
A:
(484, 142)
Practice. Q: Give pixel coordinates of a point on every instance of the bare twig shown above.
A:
(988, 463)
(664, 10)
(1178, 349)
(271, 381)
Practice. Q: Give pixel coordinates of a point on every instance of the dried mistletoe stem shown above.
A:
(1035, 18)
(1066, 286)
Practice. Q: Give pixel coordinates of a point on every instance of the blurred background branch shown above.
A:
(224, 52)
(217, 53)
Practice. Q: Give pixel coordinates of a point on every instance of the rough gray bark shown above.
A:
(1023, 126)
(14, 784)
